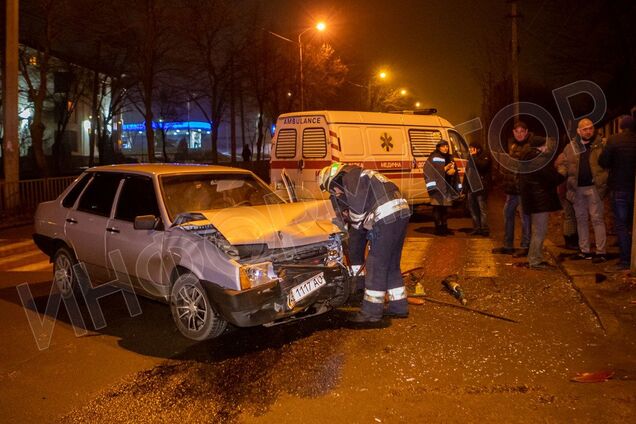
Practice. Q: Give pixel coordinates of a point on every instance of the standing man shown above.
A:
(538, 188)
(619, 157)
(440, 174)
(246, 153)
(586, 186)
(367, 199)
(478, 172)
(512, 189)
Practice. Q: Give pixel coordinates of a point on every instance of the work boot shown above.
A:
(503, 250)
(447, 231)
(439, 230)
(572, 242)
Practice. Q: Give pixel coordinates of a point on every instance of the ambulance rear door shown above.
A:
(314, 155)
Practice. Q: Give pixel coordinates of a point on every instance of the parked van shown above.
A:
(395, 144)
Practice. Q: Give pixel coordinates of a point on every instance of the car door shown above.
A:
(85, 226)
(140, 250)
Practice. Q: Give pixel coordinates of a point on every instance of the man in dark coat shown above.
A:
(478, 176)
(367, 199)
(538, 187)
(619, 157)
(511, 188)
(440, 174)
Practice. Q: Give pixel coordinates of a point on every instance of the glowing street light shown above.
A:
(418, 104)
(403, 92)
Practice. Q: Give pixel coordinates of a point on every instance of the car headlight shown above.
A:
(334, 250)
(256, 274)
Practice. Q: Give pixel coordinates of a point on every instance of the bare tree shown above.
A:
(35, 67)
(75, 83)
(147, 32)
(325, 74)
(216, 38)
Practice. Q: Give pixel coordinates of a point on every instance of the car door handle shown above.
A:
(71, 220)
(112, 230)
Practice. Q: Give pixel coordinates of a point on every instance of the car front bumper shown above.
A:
(267, 303)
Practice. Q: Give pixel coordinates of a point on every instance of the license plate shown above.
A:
(304, 289)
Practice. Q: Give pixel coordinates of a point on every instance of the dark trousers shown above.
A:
(623, 206)
(383, 265)
(478, 210)
(440, 215)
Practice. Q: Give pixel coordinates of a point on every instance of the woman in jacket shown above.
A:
(440, 174)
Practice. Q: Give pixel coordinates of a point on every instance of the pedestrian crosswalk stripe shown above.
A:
(21, 256)
(481, 262)
(37, 266)
(13, 246)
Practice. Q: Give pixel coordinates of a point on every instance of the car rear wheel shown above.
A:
(192, 311)
(63, 274)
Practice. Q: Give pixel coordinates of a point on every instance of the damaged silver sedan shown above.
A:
(214, 242)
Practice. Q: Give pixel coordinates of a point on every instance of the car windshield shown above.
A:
(199, 192)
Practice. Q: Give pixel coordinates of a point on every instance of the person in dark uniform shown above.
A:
(440, 174)
(365, 199)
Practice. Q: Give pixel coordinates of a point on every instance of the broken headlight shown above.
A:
(334, 249)
(256, 274)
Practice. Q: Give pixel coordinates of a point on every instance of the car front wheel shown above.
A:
(192, 311)
(63, 274)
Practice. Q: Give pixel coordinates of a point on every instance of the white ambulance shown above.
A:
(395, 144)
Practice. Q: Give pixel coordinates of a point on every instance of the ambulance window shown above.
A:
(286, 143)
(423, 142)
(314, 143)
(460, 149)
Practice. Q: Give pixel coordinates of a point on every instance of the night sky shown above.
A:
(434, 48)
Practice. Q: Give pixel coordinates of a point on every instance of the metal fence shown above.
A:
(18, 200)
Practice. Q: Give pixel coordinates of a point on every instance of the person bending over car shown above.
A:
(367, 199)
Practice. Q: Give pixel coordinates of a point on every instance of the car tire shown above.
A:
(192, 311)
(64, 276)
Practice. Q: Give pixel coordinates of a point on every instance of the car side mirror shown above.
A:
(145, 222)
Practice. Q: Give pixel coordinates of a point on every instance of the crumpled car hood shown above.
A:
(278, 226)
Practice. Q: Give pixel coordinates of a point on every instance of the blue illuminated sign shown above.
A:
(169, 126)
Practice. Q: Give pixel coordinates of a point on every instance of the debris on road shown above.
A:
(593, 377)
(466, 308)
(415, 300)
(451, 284)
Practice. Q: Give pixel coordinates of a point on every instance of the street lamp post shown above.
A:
(320, 26)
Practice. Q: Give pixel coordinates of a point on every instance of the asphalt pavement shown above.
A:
(442, 364)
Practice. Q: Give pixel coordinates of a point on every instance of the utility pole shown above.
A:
(514, 16)
(10, 145)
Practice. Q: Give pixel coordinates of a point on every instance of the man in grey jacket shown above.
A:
(586, 187)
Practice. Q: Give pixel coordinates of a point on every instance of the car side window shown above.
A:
(71, 197)
(137, 197)
(99, 195)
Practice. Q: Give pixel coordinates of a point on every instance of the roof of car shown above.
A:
(166, 168)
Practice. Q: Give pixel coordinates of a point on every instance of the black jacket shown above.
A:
(441, 187)
(538, 183)
(364, 190)
(479, 164)
(619, 157)
(510, 173)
